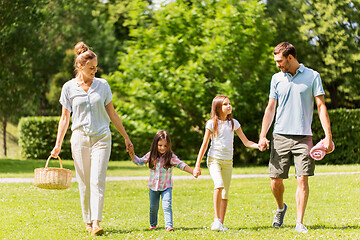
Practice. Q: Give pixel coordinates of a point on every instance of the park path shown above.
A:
(235, 176)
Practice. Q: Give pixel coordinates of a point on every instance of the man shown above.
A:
(292, 94)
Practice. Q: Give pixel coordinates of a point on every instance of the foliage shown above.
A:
(177, 62)
(345, 127)
(37, 137)
(326, 35)
(18, 50)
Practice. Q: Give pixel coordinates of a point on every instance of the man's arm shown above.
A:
(325, 120)
(266, 123)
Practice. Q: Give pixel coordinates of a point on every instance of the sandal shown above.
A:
(97, 231)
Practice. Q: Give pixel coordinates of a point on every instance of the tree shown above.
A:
(326, 36)
(19, 44)
(177, 61)
(332, 29)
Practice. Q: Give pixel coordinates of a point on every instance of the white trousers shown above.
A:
(91, 157)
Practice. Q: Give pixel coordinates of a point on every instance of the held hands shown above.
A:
(129, 146)
(196, 172)
(263, 144)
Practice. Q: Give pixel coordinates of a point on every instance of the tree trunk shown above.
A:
(333, 96)
(4, 134)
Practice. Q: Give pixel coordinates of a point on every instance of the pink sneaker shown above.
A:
(170, 229)
(153, 227)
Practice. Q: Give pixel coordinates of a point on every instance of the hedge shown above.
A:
(345, 128)
(38, 136)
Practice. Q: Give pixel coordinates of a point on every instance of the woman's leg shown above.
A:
(80, 148)
(100, 154)
(154, 197)
(166, 197)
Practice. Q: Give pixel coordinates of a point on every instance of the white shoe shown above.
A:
(216, 225)
(223, 228)
(300, 228)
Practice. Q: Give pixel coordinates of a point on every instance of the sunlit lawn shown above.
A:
(27, 212)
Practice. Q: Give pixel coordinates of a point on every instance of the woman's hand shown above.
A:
(55, 152)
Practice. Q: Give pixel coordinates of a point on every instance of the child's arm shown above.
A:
(188, 169)
(138, 161)
(246, 142)
(204, 145)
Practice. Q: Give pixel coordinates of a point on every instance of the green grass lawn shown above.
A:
(27, 212)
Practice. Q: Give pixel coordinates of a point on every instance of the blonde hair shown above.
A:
(216, 111)
(83, 55)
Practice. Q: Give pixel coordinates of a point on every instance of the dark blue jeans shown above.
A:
(166, 198)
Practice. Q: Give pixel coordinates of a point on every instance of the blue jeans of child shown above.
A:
(166, 198)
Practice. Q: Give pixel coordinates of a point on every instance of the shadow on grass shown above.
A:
(349, 227)
(309, 227)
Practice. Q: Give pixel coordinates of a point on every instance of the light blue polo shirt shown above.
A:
(88, 108)
(295, 99)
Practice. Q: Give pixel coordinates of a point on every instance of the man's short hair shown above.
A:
(286, 49)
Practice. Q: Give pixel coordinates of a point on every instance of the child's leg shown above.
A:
(226, 173)
(154, 197)
(214, 166)
(166, 197)
(217, 202)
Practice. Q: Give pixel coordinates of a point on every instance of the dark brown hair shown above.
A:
(286, 49)
(155, 155)
(216, 111)
(83, 55)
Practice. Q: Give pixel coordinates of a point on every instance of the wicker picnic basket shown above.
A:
(53, 178)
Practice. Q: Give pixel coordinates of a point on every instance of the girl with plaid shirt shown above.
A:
(161, 161)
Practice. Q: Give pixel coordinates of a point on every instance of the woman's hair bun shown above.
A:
(80, 48)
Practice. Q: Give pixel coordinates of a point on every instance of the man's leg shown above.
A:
(277, 188)
(302, 195)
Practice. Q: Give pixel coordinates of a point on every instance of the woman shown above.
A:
(90, 101)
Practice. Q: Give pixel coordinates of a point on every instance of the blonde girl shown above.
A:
(220, 129)
(161, 161)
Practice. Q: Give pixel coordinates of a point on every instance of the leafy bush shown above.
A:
(345, 127)
(37, 136)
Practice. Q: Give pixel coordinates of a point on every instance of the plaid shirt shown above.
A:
(160, 178)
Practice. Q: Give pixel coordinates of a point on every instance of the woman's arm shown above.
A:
(244, 139)
(115, 119)
(202, 151)
(62, 128)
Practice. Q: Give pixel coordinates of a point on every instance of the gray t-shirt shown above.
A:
(88, 108)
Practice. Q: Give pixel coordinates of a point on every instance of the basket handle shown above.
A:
(47, 162)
